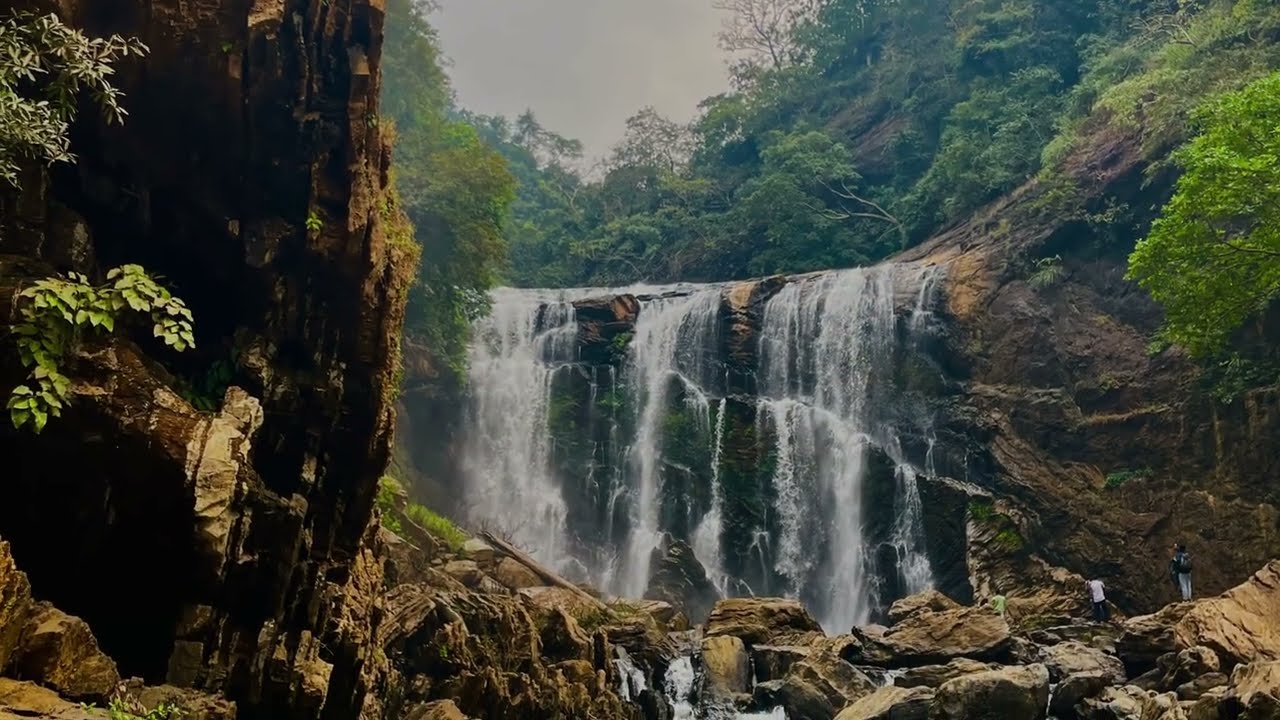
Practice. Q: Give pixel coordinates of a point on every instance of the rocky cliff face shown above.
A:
(229, 551)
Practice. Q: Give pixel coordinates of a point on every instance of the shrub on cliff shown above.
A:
(45, 67)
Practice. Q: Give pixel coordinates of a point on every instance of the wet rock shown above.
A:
(764, 621)
(891, 703)
(773, 661)
(933, 676)
(604, 325)
(938, 637)
(1195, 689)
(679, 579)
(1076, 688)
(1012, 692)
(767, 694)
(663, 613)
(60, 652)
(15, 605)
(550, 598)
(726, 667)
(926, 601)
(1072, 657)
(822, 684)
(515, 576)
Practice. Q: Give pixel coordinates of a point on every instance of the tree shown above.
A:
(45, 68)
(763, 30)
(1213, 257)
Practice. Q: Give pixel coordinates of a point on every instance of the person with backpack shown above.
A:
(1180, 569)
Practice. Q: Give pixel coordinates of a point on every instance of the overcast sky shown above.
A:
(583, 66)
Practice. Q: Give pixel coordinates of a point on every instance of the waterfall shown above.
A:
(588, 464)
(673, 342)
(515, 355)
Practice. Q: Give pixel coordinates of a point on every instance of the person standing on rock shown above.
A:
(1098, 594)
(1180, 569)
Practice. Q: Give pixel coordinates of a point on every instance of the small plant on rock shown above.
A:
(55, 312)
(131, 710)
(1047, 273)
(314, 223)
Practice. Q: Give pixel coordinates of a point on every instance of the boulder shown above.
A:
(926, 601)
(764, 621)
(549, 598)
(1114, 703)
(1012, 692)
(891, 703)
(1208, 706)
(933, 676)
(1070, 658)
(193, 704)
(772, 662)
(1195, 689)
(726, 667)
(1147, 637)
(60, 652)
(479, 552)
(1076, 688)
(1164, 706)
(515, 576)
(938, 637)
(1188, 665)
(663, 613)
(562, 638)
(15, 605)
(24, 700)
(1240, 626)
(438, 710)
(819, 686)
(467, 572)
(1254, 693)
(680, 579)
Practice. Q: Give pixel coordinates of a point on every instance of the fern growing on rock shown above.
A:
(54, 313)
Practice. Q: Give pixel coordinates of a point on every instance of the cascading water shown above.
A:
(589, 464)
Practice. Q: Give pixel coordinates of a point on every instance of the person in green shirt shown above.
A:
(997, 603)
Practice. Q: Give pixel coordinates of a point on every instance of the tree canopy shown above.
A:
(1213, 257)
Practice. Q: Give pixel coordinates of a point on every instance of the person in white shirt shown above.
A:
(1098, 593)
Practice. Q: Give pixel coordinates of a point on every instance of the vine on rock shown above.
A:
(54, 312)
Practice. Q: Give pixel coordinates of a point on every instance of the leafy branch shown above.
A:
(54, 312)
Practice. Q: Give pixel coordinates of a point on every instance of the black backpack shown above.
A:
(1182, 561)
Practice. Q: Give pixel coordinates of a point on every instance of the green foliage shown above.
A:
(455, 190)
(389, 492)
(124, 709)
(1047, 273)
(46, 67)
(438, 525)
(314, 223)
(1120, 477)
(981, 511)
(1231, 374)
(1213, 257)
(879, 122)
(54, 312)
(1009, 538)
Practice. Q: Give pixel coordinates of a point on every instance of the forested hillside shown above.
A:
(857, 127)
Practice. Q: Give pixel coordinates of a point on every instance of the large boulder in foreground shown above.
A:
(934, 676)
(938, 637)
(891, 703)
(1070, 658)
(822, 684)
(1241, 626)
(1020, 692)
(15, 605)
(764, 621)
(1254, 693)
(726, 667)
(926, 601)
(60, 652)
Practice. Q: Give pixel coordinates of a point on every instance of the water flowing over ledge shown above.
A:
(762, 425)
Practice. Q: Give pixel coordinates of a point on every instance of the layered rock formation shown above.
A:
(230, 551)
